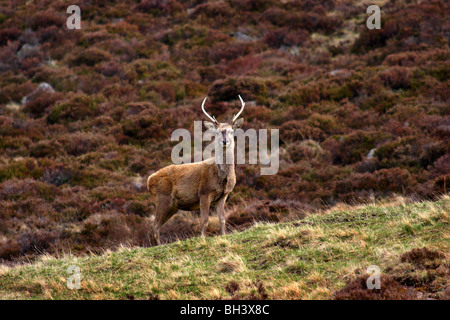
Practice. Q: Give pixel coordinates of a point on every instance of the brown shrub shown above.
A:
(15, 91)
(396, 78)
(46, 148)
(9, 34)
(370, 39)
(167, 91)
(210, 73)
(143, 127)
(365, 181)
(257, 113)
(307, 150)
(258, 291)
(424, 269)
(27, 188)
(304, 94)
(8, 57)
(216, 10)
(394, 179)
(232, 287)
(46, 19)
(111, 69)
(134, 108)
(254, 5)
(79, 143)
(89, 57)
(102, 122)
(139, 165)
(51, 34)
(442, 165)
(269, 211)
(422, 257)
(38, 106)
(390, 289)
(91, 38)
(440, 185)
(283, 37)
(319, 22)
(409, 151)
(158, 7)
(21, 169)
(57, 175)
(110, 228)
(15, 146)
(295, 130)
(350, 148)
(402, 59)
(308, 5)
(10, 249)
(309, 20)
(124, 29)
(431, 152)
(30, 64)
(76, 107)
(278, 16)
(408, 26)
(352, 116)
(36, 241)
(228, 89)
(225, 51)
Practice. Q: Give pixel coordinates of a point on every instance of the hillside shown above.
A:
(86, 115)
(320, 257)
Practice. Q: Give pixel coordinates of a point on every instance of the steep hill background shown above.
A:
(86, 115)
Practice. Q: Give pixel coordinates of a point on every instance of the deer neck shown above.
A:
(225, 163)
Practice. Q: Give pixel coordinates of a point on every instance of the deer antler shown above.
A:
(240, 111)
(213, 119)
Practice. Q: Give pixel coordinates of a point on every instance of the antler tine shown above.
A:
(203, 108)
(240, 111)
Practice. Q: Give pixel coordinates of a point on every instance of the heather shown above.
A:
(86, 115)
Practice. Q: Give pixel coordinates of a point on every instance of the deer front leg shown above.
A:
(205, 202)
(221, 213)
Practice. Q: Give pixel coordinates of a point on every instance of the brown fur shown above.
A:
(195, 186)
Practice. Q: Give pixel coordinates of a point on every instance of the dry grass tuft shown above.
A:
(231, 263)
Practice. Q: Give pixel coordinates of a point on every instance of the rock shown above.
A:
(371, 154)
(242, 36)
(341, 73)
(26, 51)
(294, 50)
(137, 183)
(43, 88)
(29, 37)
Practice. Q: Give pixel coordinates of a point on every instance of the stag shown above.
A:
(198, 185)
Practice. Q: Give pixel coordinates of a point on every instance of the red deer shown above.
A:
(195, 186)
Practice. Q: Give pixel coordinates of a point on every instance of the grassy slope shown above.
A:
(307, 259)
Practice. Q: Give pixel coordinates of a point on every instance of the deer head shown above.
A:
(224, 132)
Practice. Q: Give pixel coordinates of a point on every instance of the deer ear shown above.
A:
(209, 125)
(238, 123)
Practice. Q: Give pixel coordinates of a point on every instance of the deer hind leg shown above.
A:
(220, 208)
(165, 209)
(205, 203)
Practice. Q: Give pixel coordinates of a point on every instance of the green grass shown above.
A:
(306, 259)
